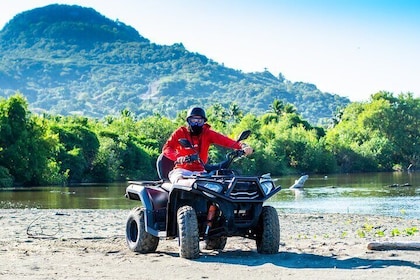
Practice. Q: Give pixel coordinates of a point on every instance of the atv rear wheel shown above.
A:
(217, 243)
(189, 240)
(268, 234)
(138, 240)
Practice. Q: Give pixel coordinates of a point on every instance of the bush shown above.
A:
(6, 180)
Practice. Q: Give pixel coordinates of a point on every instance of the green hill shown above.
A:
(73, 60)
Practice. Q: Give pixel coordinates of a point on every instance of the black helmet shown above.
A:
(197, 111)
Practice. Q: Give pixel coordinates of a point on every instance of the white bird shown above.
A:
(299, 182)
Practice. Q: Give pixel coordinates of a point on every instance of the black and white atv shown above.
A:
(218, 205)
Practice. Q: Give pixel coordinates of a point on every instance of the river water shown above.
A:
(391, 194)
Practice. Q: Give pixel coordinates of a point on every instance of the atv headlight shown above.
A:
(213, 186)
(267, 186)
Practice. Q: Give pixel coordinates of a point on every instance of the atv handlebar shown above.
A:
(222, 165)
(226, 163)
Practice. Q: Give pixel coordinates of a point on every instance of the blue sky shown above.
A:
(351, 48)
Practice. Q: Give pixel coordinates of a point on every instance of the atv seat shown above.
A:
(163, 166)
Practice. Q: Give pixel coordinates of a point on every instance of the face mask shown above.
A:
(195, 129)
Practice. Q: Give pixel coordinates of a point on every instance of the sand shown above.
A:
(90, 244)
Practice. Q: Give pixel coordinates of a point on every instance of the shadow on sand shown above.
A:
(299, 260)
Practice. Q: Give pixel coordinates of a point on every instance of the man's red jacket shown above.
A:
(201, 143)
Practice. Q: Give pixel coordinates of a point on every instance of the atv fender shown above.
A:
(155, 200)
(152, 197)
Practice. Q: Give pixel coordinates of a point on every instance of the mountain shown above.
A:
(68, 59)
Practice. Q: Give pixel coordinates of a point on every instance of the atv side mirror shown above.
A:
(185, 143)
(244, 135)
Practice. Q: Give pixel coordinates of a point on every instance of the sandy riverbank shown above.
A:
(90, 244)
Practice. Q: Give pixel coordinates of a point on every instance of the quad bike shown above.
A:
(219, 204)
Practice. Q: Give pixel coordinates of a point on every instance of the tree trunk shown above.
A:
(382, 246)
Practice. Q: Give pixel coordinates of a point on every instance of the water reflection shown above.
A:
(109, 196)
(394, 194)
(299, 193)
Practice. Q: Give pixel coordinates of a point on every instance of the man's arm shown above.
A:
(169, 148)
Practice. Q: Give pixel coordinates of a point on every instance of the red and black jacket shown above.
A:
(201, 143)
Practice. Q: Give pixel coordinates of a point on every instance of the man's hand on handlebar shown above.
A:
(247, 149)
(186, 159)
(181, 160)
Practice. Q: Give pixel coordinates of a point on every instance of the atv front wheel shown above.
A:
(138, 240)
(268, 233)
(189, 240)
(216, 243)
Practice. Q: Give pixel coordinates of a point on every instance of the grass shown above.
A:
(395, 232)
(367, 230)
(411, 231)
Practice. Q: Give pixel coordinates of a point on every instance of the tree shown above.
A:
(27, 147)
(277, 107)
(234, 112)
(382, 133)
(79, 147)
(217, 116)
(154, 131)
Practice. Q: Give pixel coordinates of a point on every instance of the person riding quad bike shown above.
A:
(201, 136)
(195, 201)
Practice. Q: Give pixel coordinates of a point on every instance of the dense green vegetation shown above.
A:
(379, 135)
(70, 60)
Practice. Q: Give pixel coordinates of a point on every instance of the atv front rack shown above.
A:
(237, 189)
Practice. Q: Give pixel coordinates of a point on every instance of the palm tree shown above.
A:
(234, 112)
(217, 114)
(289, 109)
(277, 107)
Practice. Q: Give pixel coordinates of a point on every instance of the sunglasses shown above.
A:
(196, 121)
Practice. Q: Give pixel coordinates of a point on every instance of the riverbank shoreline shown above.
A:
(90, 244)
